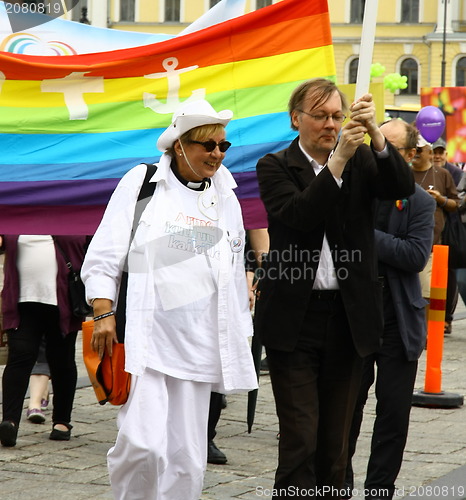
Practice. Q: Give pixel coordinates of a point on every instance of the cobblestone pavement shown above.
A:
(40, 469)
(434, 465)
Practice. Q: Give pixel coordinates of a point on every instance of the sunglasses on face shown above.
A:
(211, 145)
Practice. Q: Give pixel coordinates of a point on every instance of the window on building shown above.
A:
(409, 11)
(262, 3)
(213, 2)
(461, 72)
(172, 10)
(409, 68)
(127, 10)
(353, 70)
(357, 11)
(77, 13)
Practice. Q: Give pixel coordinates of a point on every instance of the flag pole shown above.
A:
(367, 48)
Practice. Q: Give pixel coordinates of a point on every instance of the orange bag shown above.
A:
(108, 377)
(110, 381)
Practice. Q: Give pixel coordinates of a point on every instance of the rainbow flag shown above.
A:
(71, 126)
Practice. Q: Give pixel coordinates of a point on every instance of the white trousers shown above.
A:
(161, 448)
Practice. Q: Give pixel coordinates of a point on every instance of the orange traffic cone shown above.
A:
(432, 395)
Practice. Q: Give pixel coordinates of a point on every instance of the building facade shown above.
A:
(422, 39)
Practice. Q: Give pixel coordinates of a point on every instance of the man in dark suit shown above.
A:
(440, 160)
(403, 237)
(319, 305)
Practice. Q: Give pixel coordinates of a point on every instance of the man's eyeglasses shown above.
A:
(323, 118)
(211, 145)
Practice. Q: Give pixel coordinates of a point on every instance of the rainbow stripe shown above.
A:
(20, 43)
(70, 127)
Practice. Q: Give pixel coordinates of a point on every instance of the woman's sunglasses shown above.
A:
(211, 145)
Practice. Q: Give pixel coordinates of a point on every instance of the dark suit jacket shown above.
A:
(455, 172)
(404, 249)
(300, 207)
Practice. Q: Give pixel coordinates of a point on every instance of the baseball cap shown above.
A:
(439, 143)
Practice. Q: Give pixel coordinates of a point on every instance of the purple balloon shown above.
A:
(430, 122)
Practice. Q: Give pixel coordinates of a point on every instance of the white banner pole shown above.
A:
(367, 48)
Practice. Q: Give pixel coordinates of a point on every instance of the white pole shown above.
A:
(367, 48)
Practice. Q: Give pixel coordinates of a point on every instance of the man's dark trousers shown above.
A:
(315, 388)
(394, 391)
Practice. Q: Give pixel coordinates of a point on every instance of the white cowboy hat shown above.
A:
(421, 142)
(190, 115)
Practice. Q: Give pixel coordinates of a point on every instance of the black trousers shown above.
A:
(315, 389)
(38, 320)
(452, 295)
(215, 409)
(394, 387)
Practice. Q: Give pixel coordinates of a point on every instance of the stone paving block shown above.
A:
(39, 469)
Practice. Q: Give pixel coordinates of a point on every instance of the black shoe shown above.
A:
(214, 455)
(8, 433)
(58, 435)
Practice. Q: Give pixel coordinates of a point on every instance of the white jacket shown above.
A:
(101, 273)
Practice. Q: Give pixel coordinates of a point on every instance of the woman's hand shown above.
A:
(104, 334)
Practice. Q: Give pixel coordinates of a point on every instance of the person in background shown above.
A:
(256, 248)
(403, 239)
(319, 302)
(439, 183)
(214, 455)
(187, 314)
(36, 304)
(440, 160)
(259, 247)
(461, 272)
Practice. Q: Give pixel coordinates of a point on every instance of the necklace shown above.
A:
(208, 207)
(424, 178)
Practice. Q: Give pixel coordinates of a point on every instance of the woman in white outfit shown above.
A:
(187, 318)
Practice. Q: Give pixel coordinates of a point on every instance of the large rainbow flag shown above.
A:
(71, 126)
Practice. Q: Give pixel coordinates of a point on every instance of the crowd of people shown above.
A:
(351, 227)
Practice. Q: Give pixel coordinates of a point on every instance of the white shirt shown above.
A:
(37, 269)
(186, 317)
(326, 276)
